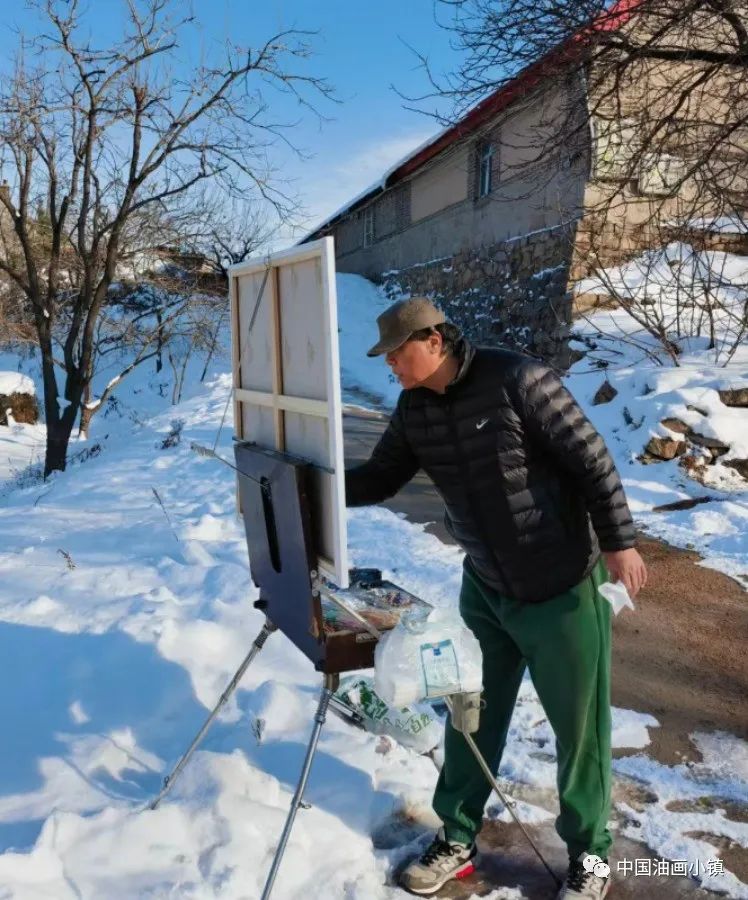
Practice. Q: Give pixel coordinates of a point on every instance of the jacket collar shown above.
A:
(465, 356)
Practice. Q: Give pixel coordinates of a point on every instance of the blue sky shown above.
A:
(360, 49)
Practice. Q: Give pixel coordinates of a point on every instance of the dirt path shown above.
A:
(682, 656)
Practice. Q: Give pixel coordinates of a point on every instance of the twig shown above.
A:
(161, 504)
(68, 558)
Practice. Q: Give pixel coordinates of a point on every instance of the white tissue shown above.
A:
(617, 595)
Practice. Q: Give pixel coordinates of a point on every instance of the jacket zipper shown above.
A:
(468, 480)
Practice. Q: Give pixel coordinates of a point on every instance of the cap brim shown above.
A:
(386, 346)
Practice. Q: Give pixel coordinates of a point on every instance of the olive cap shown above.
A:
(399, 321)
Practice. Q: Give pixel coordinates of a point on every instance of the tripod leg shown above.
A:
(267, 629)
(331, 683)
(495, 785)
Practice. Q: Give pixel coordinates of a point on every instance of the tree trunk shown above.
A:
(86, 416)
(160, 342)
(59, 427)
(86, 413)
(712, 329)
(58, 439)
(213, 345)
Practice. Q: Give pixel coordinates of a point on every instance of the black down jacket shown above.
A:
(530, 489)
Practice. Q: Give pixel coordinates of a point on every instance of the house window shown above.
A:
(369, 226)
(614, 144)
(661, 173)
(485, 168)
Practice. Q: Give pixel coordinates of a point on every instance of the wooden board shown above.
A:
(287, 378)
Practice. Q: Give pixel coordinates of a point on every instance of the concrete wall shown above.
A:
(468, 224)
(463, 225)
(621, 217)
(441, 186)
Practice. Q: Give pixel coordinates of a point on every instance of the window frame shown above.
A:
(659, 173)
(616, 142)
(368, 216)
(485, 169)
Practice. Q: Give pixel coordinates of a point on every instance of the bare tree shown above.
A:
(196, 332)
(172, 288)
(96, 140)
(135, 324)
(649, 98)
(232, 234)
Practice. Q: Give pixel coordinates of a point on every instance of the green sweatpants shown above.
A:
(565, 642)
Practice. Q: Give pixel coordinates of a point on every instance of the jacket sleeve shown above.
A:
(552, 417)
(391, 465)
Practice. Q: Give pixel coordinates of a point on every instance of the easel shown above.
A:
(276, 510)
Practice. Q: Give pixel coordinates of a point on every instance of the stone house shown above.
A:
(494, 217)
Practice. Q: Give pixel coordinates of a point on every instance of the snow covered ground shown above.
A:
(126, 606)
(20, 444)
(365, 380)
(651, 389)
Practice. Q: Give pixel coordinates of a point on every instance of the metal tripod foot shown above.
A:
(509, 805)
(329, 687)
(267, 629)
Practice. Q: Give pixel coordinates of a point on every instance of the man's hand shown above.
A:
(627, 566)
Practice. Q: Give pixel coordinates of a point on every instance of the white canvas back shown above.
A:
(287, 377)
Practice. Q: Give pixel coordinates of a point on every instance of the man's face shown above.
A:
(415, 361)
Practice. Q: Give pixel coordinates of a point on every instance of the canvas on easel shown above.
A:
(286, 379)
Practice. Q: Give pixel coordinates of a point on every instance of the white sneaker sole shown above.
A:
(606, 889)
(462, 872)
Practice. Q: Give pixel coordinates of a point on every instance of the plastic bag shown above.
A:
(616, 594)
(430, 653)
(416, 726)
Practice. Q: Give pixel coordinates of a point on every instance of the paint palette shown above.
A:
(379, 603)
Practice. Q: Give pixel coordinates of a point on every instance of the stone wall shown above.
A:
(511, 294)
(608, 244)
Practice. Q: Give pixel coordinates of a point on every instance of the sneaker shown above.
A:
(442, 861)
(588, 879)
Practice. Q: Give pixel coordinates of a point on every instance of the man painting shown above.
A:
(534, 499)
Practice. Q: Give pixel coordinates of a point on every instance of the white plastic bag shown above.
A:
(428, 654)
(616, 594)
